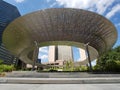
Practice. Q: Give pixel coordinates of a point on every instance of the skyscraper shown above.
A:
(8, 13)
(65, 53)
(51, 54)
(83, 55)
(60, 53)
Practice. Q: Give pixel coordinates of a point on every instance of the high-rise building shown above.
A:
(51, 54)
(8, 13)
(83, 55)
(65, 53)
(60, 54)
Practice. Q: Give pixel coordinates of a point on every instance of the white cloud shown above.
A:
(53, 4)
(75, 3)
(19, 1)
(94, 62)
(42, 57)
(43, 53)
(114, 10)
(43, 50)
(117, 25)
(100, 6)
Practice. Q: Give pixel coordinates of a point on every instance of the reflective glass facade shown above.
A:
(8, 13)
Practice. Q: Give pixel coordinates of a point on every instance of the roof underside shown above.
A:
(65, 24)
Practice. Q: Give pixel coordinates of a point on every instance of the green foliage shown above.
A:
(81, 68)
(97, 68)
(1, 62)
(84, 68)
(77, 68)
(69, 66)
(110, 65)
(110, 61)
(53, 69)
(6, 68)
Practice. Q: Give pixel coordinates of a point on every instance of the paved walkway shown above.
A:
(59, 86)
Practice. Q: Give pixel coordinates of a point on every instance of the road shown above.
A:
(60, 86)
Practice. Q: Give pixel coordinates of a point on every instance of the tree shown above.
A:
(109, 61)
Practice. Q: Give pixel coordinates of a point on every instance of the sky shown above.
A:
(107, 8)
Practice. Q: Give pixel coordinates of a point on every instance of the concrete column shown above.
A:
(35, 55)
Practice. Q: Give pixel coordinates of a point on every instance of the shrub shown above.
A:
(84, 68)
(98, 68)
(110, 65)
(69, 66)
(1, 62)
(118, 65)
(77, 68)
(6, 68)
(109, 61)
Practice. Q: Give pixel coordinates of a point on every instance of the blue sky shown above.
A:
(108, 8)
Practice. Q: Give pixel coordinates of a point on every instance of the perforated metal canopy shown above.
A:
(64, 26)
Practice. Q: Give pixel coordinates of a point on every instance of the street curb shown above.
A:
(59, 80)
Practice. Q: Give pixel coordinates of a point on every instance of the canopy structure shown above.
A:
(59, 26)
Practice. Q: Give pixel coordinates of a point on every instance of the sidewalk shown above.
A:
(59, 80)
(32, 77)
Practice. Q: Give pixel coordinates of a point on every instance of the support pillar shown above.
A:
(35, 55)
(87, 50)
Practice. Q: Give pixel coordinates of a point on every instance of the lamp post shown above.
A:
(35, 55)
(87, 51)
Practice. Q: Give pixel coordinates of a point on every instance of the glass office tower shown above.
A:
(8, 13)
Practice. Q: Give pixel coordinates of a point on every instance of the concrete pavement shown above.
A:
(59, 86)
(34, 74)
(33, 77)
(60, 80)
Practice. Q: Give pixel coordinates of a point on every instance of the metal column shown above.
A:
(87, 50)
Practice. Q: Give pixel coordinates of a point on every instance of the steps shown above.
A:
(59, 80)
(33, 77)
(34, 74)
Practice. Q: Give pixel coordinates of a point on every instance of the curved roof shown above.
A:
(61, 24)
